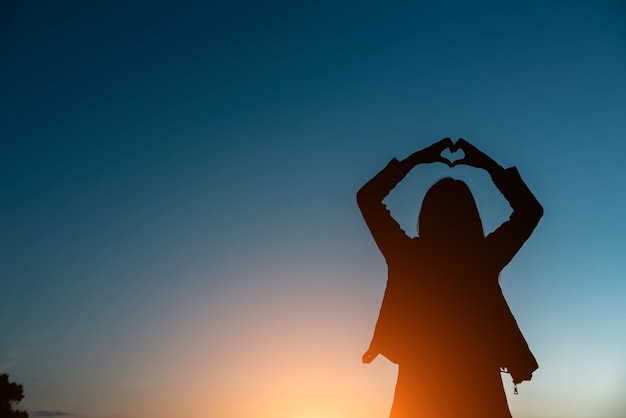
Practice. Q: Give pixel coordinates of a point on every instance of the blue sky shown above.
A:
(178, 193)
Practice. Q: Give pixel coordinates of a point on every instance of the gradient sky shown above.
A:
(180, 236)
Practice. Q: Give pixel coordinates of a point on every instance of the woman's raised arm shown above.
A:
(505, 241)
(385, 230)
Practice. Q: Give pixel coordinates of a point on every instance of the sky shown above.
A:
(180, 236)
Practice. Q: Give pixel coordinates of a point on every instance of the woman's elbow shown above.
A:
(362, 197)
(537, 212)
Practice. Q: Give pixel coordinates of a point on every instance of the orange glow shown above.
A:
(292, 354)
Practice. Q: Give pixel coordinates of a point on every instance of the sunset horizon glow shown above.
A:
(180, 234)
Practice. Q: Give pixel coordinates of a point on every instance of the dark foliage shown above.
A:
(10, 394)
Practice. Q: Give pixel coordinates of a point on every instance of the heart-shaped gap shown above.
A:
(453, 156)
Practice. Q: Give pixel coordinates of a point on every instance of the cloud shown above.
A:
(50, 414)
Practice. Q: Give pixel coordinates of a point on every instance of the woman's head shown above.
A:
(449, 214)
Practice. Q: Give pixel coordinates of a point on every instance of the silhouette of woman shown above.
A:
(443, 318)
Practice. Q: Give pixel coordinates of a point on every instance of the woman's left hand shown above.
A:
(369, 355)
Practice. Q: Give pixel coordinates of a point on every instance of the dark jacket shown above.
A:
(446, 302)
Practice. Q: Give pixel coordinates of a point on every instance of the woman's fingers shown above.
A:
(445, 143)
(470, 151)
(458, 162)
(432, 153)
(473, 156)
(369, 356)
(464, 145)
(446, 161)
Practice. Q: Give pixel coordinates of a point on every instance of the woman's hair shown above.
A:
(449, 214)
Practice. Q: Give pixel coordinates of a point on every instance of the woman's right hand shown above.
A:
(432, 153)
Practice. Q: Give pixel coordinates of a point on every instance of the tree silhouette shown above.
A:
(10, 393)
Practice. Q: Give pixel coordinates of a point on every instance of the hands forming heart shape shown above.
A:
(447, 152)
(452, 156)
